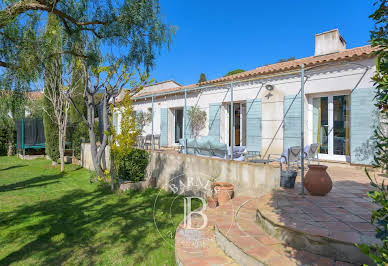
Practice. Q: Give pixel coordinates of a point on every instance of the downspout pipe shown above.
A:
(302, 127)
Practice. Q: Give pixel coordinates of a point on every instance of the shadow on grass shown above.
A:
(13, 167)
(38, 181)
(83, 226)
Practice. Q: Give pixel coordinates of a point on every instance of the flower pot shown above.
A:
(212, 202)
(317, 181)
(223, 191)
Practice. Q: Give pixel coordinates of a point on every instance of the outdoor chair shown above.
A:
(140, 142)
(156, 142)
(311, 152)
(291, 156)
(148, 142)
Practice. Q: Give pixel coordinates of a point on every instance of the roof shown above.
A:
(346, 55)
(34, 95)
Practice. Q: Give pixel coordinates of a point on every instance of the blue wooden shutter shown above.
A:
(363, 121)
(163, 127)
(253, 130)
(214, 119)
(187, 130)
(292, 123)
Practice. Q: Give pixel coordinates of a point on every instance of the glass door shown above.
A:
(237, 123)
(331, 126)
(178, 124)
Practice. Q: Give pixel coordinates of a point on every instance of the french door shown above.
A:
(331, 126)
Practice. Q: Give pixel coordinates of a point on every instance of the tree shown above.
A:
(122, 141)
(202, 78)
(197, 118)
(78, 130)
(236, 71)
(54, 42)
(142, 119)
(379, 253)
(110, 80)
(12, 107)
(133, 25)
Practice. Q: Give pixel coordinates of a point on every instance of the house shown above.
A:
(261, 108)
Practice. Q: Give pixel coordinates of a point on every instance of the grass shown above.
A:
(51, 218)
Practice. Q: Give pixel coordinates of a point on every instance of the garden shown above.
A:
(51, 217)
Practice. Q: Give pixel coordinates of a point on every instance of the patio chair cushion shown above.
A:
(211, 139)
(203, 147)
(219, 149)
(191, 146)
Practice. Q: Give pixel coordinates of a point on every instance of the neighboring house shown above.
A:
(338, 104)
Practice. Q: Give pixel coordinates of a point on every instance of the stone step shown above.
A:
(248, 244)
(199, 247)
(320, 225)
(232, 237)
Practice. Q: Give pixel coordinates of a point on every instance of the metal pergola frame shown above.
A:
(301, 72)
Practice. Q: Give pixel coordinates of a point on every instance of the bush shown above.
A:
(133, 165)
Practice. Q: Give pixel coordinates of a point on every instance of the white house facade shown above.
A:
(339, 112)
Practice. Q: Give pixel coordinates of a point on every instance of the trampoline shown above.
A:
(30, 134)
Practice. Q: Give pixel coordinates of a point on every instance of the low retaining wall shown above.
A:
(86, 157)
(172, 170)
(175, 172)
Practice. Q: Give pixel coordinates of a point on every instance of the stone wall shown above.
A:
(172, 171)
(86, 156)
(178, 171)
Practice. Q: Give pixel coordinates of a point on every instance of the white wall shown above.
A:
(339, 78)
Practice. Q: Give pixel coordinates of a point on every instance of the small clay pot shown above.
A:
(317, 181)
(212, 202)
(223, 191)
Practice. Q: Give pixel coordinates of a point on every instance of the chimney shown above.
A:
(329, 42)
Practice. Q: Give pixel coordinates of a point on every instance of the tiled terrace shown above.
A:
(298, 230)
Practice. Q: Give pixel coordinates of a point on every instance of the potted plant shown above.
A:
(223, 191)
(317, 181)
(212, 202)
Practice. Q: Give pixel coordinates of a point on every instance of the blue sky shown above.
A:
(216, 36)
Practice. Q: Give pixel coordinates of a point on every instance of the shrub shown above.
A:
(132, 165)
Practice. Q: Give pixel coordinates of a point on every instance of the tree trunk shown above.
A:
(96, 157)
(10, 146)
(61, 150)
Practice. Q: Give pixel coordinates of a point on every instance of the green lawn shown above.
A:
(48, 218)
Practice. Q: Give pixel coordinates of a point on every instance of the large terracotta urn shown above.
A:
(317, 181)
(223, 191)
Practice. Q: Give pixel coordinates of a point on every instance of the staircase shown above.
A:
(233, 237)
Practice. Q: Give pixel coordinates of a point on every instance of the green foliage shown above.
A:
(202, 78)
(133, 165)
(79, 129)
(379, 253)
(34, 107)
(12, 107)
(51, 132)
(197, 118)
(236, 71)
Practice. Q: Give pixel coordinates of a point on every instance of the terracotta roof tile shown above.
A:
(349, 54)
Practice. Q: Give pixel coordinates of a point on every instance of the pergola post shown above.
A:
(231, 122)
(184, 123)
(152, 127)
(302, 127)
